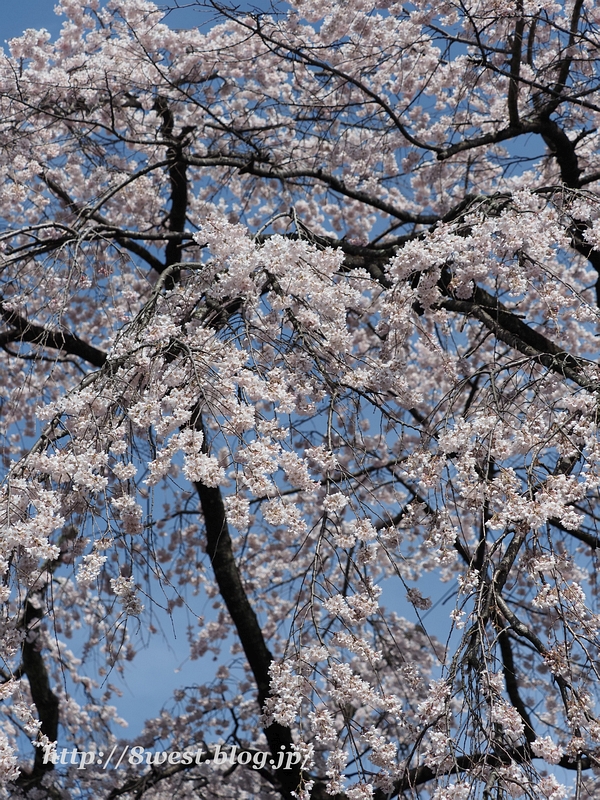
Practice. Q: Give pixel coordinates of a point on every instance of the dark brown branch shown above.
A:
(219, 548)
(582, 536)
(488, 138)
(424, 774)
(25, 331)
(220, 551)
(84, 213)
(179, 186)
(508, 559)
(563, 150)
(140, 251)
(508, 328)
(515, 71)
(252, 167)
(44, 699)
(522, 630)
(591, 178)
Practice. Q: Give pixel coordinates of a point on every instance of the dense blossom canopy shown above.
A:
(299, 320)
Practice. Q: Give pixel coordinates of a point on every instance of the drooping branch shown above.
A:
(511, 681)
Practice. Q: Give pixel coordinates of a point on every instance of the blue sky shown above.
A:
(17, 16)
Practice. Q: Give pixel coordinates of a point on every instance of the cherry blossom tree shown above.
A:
(299, 334)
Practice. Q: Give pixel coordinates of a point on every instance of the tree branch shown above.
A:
(251, 167)
(45, 701)
(508, 328)
(26, 331)
(424, 774)
(515, 70)
(80, 212)
(179, 188)
(220, 551)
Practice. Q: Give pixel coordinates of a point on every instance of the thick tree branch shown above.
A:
(424, 774)
(583, 536)
(563, 150)
(219, 548)
(508, 328)
(502, 135)
(220, 551)
(44, 699)
(179, 185)
(25, 331)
